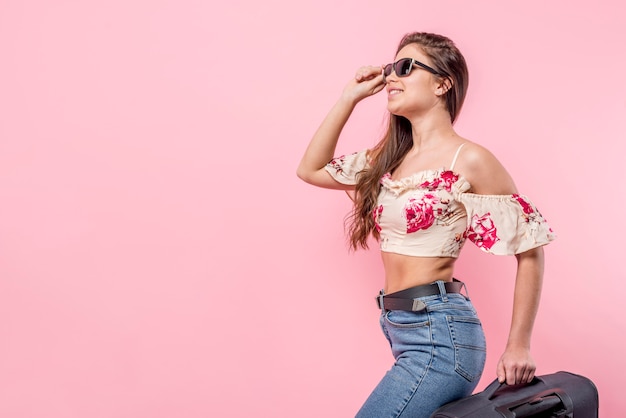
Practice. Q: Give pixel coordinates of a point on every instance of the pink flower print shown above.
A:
(376, 214)
(419, 213)
(526, 207)
(431, 185)
(337, 163)
(482, 231)
(447, 178)
(385, 177)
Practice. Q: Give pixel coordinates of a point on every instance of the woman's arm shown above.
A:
(487, 176)
(321, 149)
(516, 364)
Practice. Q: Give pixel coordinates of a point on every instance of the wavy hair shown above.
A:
(398, 140)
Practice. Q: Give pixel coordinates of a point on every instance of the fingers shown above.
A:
(378, 87)
(528, 376)
(515, 374)
(367, 81)
(368, 72)
(520, 375)
(514, 370)
(500, 372)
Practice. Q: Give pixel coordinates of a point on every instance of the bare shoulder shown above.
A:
(483, 170)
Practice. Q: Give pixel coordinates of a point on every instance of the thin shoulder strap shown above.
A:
(456, 155)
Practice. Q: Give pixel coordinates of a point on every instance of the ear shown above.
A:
(445, 84)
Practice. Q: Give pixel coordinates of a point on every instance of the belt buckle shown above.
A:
(418, 305)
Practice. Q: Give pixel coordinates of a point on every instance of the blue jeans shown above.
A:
(440, 355)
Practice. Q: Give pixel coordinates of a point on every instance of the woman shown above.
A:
(421, 192)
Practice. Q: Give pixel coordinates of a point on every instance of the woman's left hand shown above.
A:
(516, 366)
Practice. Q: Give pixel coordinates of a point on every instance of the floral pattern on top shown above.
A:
(376, 214)
(337, 163)
(445, 179)
(430, 180)
(482, 231)
(454, 244)
(419, 212)
(526, 207)
(531, 214)
(433, 212)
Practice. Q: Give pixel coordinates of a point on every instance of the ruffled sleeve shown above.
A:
(504, 224)
(345, 168)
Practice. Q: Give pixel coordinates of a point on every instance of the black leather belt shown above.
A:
(407, 300)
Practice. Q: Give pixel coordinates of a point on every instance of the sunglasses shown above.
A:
(404, 66)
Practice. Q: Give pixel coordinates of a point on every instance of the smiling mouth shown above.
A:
(394, 92)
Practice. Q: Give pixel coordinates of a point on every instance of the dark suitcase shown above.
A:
(560, 394)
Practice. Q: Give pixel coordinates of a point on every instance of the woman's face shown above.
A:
(415, 94)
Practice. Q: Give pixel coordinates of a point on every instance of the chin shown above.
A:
(395, 111)
(392, 108)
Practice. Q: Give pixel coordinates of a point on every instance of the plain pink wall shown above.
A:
(159, 257)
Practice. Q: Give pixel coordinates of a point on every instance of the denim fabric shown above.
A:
(440, 355)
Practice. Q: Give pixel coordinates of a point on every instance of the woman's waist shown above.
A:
(435, 296)
(403, 272)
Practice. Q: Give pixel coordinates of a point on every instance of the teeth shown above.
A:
(394, 91)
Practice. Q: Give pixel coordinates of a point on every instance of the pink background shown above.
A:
(159, 257)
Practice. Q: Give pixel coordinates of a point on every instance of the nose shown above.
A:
(390, 77)
(386, 78)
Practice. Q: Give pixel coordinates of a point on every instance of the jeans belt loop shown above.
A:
(381, 300)
(466, 291)
(442, 290)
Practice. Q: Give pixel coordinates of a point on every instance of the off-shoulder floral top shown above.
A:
(431, 213)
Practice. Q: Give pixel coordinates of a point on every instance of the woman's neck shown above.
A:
(428, 135)
(431, 128)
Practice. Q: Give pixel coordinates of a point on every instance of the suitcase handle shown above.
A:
(495, 386)
(555, 400)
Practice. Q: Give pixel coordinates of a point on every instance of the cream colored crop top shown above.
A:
(431, 213)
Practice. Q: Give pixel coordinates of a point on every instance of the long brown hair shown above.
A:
(398, 140)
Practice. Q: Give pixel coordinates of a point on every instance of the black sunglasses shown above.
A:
(404, 66)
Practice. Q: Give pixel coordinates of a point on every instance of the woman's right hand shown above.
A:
(367, 81)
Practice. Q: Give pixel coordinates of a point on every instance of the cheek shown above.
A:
(419, 97)
(420, 88)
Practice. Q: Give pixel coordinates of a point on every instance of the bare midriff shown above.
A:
(403, 271)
